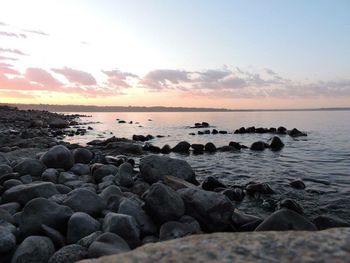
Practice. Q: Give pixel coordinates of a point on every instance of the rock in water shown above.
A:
(210, 183)
(153, 168)
(34, 249)
(276, 144)
(325, 221)
(212, 210)
(163, 203)
(59, 123)
(258, 146)
(69, 254)
(210, 147)
(285, 219)
(58, 157)
(81, 225)
(182, 147)
(108, 244)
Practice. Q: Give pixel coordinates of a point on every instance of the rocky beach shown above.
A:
(65, 202)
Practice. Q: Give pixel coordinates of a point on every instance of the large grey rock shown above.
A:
(112, 196)
(87, 241)
(33, 167)
(124, 175)
(5, 169)
(69, 254)
(58, 157)
(26, 192)
(104, 171)
(212, 210)
(81, 225)
(7, 240)
(163, 203)
(153, 168)
(124, 148)
(133, 208)
(123, 225)
(108, 244)
(80, 169)
(286, 219)
(34, 249)
(83, 200)
(56, 237)
(82, 155)
(42, 211)
(50, 175)
(328, 246)
(172, 230)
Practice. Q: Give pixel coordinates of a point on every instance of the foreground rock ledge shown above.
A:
(331, 245)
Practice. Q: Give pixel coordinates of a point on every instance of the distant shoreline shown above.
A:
(82, 108)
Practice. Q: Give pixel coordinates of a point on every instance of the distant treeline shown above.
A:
(84, 108)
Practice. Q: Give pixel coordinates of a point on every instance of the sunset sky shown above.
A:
(233, 54)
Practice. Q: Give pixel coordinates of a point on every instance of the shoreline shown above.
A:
(114, 195)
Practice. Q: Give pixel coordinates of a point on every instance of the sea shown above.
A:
(321, 159)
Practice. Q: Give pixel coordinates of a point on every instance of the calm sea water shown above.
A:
(322, 159)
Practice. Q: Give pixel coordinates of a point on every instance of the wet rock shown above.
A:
(87, 241)
(65, 177)
(58, 157)
(260, 188)
(153, 168)
(177, 183)
(124, 175)
(7, 241)
(36, 249)
(69, 254)
(290, 204)
(26, 192)
(276, 144)
(108, 244)
(210, 183)
(82, 155)
(26, 179)
(212, 210)
(123, 225)
(281, 130)
(326, 221)
(297, 184)
(82, 200)
(139, 187)
(197, 148)
(166, 149)
(50, 175)
(239, 219)
(151, 148)
(214, 131)
(80, 169)
(42, 211)
(81, 225)
(30, 166)
(172, 230)
(124, 148)
(223, 132)
(235, 194)
(104, 171)
(134, 209)
(258, 146)
(163, 203)
(210, 147)
(9, 176)
(182, 147)
(296, 133)
(235, 145)
(56, 237)
(286, 219)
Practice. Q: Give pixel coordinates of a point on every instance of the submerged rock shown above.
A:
(276, 144)
(182, 147)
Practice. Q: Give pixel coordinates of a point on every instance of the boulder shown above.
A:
(124, 226)
(58, 123)
(83, 200)
(290, 204)
(181, 147)
(212, 210)
(56, 237)
(58, 157)
(153, 168)
(36, 249)
(33, 167)
(124, 148)
(104, 171)
(326, 221)
(276, 143)
(296, 133)
(177, 183)
(26, 192)
(69, 254)
(297, 184)
(197, 148)
(172, 230)
(285, 219)
(12, 207)
(210, 183)
(5, 169)
(210, 147)
(42, 211)
(7, 240)
(82, 155)
(87, 241)
(108, 244)
(81, 225)
(165, 149)
(50, 175)
(124, 175)
(163, 203)
(112, 196)
(258, 146)
(80, 169)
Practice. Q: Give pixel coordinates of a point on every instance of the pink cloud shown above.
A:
(42, 77)
(6, 68)
(7, 58)
(119, 79)
(15, 94)
(38, 32)
(13, 51)
(76, 76)
(11, 34)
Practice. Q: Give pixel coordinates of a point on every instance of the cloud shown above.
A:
(6, 68)
(165, 79)
(76, 76)
(13, 51)
(11, 34)
(15, 94)
(118, 79)
(7, 58)
(42, 77)
(3, 24)
(37, 32)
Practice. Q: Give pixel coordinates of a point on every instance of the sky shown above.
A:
(192, 53)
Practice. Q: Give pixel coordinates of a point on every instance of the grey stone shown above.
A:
(69, 254)
(81, 225)
(7, 240)
(80, 169)
(104, 171)
(12, 207)
(56, 237)
(172, 230)
(108, 244)
(50, 175)
(5, 169)
(33, 167)
(87, 241)
(124, 175)
(58, 157)
(112, 195)
(82, 155)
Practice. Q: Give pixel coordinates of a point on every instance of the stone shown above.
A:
(133, 208)
(11, 183)
(33, 167)
(82, 155)
(58, 123)
(5, 169)
(259, 188)
(124, 148)
(276, 143)
(34, 249)
(7, 240)
(163, 203)
(296, 133)
(124, 226)
(153, 168)
(69, 254)
(210, 183)
(210, 147)
(26, 179)
(166, 149)
(181, 147)
(87, 241)
(81, 225)
(234, 194)
(104, 171)
(177, 183)
(326, 221)
(11, 207)
(285, 219)
(290, 204)
(66, 177)
(56, 237)
(258, 146)
(26, 192)
(197, 148)
(42, 211)
(80, 169)
(58, 157)
(212, 210)
(112, 196)
(124, 175)
(172, 229)
(83, 200)
(297, 184)
(292, 246)
(50, 175)
(239, 219)
(6, 216)
(108, 244)
(139, 187)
